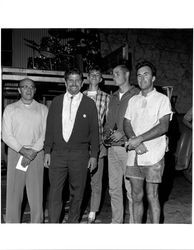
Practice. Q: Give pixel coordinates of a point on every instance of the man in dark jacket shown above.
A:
(117, 155)
(71, 134)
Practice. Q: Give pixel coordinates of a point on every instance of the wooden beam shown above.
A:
(17, 74)
(34, 78)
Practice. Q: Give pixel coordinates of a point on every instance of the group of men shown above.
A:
(70, 139)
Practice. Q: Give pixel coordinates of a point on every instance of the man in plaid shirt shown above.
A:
(102, 101)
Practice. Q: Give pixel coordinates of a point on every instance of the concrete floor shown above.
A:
(175, 196)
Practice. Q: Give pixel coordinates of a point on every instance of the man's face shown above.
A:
(94, 77)
(119, 76)
(73, 84)
(145, 78)
(27, 90)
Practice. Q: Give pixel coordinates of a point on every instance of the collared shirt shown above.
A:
(102, 100)
(70, 107)
(144, 113)
(24, 125)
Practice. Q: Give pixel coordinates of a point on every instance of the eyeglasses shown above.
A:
(25, 87)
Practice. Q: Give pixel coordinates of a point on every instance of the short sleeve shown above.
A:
(128, 114)
(165, 108)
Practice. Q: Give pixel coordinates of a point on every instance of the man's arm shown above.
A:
(28, 153)
(7, 130)
(47, 160)
(153, 133)
(49, 128)
(107, 105)
(94, 131)
(128, 130)
(40, 142)
(109, 118)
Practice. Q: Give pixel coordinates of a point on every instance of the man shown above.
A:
(72, 131)
(102, 100)
(23, 130)
(117, 155)
(146, 122)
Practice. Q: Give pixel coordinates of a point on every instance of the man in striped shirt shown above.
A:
(102, 100)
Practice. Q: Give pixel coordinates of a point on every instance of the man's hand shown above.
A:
(28, 153)
(141, 149)
(134, 142)
(25, 161)
(116, 136)
(47, 160)
(92, 164)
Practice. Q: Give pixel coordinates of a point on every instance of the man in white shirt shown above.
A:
(146, 122)
(23, 130)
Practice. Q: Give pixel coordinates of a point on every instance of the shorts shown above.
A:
(150, 173)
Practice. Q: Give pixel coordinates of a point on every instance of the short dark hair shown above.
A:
(73, 71)
(95, 68)
(148, 64)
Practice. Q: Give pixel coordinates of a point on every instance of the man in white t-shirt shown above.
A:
(146, 122)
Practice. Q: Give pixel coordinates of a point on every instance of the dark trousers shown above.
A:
(72, 164)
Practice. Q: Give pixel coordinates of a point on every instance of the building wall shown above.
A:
(171, 51)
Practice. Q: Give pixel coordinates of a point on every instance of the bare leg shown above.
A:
(153, 201)
(137, 196)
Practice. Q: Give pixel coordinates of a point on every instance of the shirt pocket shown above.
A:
(152, 113)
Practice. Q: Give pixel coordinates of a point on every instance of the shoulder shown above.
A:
(88, 104)
(12, 106)
(135, 97)
(103, 93)
(87, 100)
(115, 95)
(132, 92)
(159, 96)
(135, 89)
(57, 100)
(42, 106)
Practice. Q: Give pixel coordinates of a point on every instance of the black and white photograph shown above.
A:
(96, 128)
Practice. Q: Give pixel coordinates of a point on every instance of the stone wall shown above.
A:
(170, 50)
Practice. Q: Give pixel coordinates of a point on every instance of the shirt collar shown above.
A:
(75, 97)
(116, 93)
(148, 94)
(27, 104)
(98, 91)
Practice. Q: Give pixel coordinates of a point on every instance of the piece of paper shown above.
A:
(19, 166)
(131, 158)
